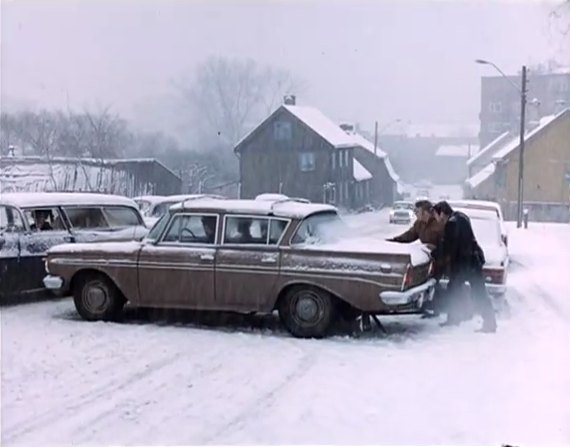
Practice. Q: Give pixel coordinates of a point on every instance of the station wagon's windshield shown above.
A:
(320, 228)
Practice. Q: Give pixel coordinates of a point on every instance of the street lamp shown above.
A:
(521, 90)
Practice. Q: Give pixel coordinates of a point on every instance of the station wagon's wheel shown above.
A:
(97, 298)
(307, 312)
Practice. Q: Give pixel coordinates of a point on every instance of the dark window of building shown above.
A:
(307, 161)
(495, 107)
(282, 130)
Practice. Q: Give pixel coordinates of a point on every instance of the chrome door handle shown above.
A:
(207, 257)
(269, 259)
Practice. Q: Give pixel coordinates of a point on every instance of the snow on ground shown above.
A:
(246, 381)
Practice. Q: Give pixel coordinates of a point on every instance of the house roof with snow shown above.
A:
(506, 150)
(454, 150)
(312, 118)
(490, 149)
(359, 172)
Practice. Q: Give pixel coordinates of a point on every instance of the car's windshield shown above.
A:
(320, 228)
(158, 228)
(403, 206)
(486, 231)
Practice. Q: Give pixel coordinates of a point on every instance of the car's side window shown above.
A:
(276, 229)
(86, 217)
(10, 220)
(44, 219)
(253, 230)
(192, 229)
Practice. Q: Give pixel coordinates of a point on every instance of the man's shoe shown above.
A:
(489, 327)
(450, 322)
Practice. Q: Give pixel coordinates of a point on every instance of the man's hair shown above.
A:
(443, 207)
(425, 205)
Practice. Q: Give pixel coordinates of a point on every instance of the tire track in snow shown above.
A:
(49, 417)
(265, 400)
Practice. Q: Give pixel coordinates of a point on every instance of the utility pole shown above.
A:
(521, 149)
(375, 137)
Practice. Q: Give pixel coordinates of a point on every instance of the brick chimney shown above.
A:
(289, 100)
(347, 127)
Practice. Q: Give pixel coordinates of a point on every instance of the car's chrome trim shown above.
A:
(394, 298)
(53, 282)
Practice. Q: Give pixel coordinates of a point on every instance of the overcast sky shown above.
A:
(361, 60)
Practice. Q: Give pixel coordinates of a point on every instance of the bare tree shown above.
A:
(227, 96)
(106, 135)
(560, 17)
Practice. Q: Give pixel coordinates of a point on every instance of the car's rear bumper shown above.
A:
(492, 289)
(54, 283)
(417, 295)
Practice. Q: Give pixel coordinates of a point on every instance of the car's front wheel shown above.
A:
(97, 298)
(308, 312)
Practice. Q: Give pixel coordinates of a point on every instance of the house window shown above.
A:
(340, 158)
(346, 195)
(340, 192)
(282, 130)
(333, 160)
(307, 161)
(346, 158)
(495, 107)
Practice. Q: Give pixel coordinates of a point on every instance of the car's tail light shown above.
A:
(505, 239)
(408, 278)
(494, 276)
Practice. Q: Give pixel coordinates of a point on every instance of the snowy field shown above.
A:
(244, 381)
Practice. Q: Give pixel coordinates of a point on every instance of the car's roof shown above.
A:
(150, 199)
(280, 208)
(182, 197)
(475, 213)
(38, 199)
(404, 202)
(481, 203)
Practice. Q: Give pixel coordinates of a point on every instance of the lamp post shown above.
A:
(521, 90)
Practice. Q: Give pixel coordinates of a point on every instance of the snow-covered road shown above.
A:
(65, 381)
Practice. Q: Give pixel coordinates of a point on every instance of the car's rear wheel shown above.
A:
(97, 298)
(307, 312)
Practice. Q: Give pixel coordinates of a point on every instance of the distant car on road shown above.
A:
(488, 233)
(485, 205)
(247, 256)
(31, 223)
(402, 212)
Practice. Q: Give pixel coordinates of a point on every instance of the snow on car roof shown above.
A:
(36, 199)
(478, 213)
(359, 172)
(285, 208)
(482, 203)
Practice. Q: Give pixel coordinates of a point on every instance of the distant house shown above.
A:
(482, 158)
(451, 162)
(127, 177)
(546, 190)
(299, 152)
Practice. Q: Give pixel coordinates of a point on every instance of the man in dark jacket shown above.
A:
(429, 231)
(465, 259)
